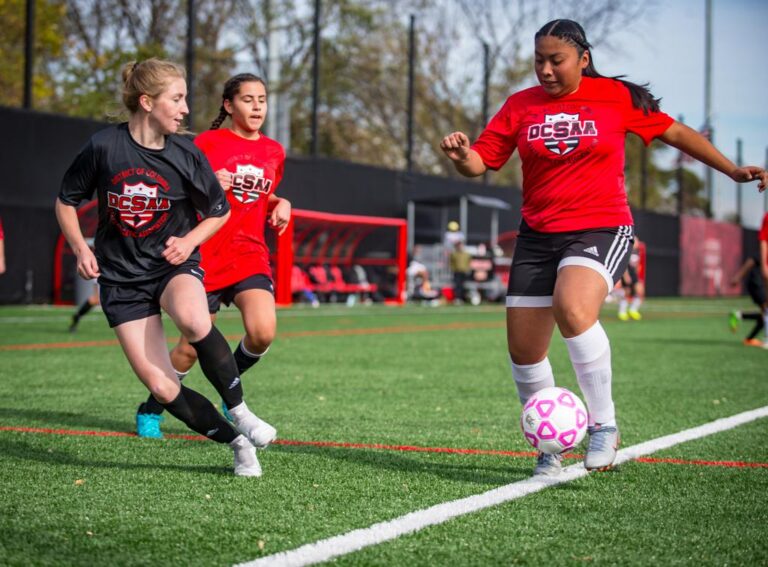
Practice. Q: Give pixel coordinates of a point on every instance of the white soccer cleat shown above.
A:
(258, 431)
(602, 447)
(246, 462)
(548, 465)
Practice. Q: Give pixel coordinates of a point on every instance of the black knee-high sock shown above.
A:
(82, 310)
(759, 324)
(219, 367)
(201, 416)
(151, 406)
(244, 360)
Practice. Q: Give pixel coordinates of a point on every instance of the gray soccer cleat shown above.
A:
(246, 462)
(601, 450)
(548, 465)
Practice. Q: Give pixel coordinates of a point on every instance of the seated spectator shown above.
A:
(301, 287)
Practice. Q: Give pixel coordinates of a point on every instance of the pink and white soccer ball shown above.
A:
(554, 420)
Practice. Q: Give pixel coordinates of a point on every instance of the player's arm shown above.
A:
(764, 260)
(697, 146)
(87, 266)
(466, 160)
(279, 212)
(178, 249)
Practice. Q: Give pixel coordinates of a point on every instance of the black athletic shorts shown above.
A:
(226, 295)
(124, 303)
(538, 257)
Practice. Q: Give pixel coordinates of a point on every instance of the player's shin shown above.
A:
(244, 358)
(219, 367)
(530, 378)
(590, 354)
(200, 415)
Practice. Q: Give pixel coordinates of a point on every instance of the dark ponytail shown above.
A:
(573, 33)
(231, 88)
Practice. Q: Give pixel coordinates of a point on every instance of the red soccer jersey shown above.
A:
(238, 250)
(572, 149)
(764, 229)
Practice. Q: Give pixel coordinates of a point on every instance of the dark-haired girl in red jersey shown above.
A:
(576, 232)
(249, 167)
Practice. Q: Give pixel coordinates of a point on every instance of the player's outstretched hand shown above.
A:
(456, 146)
(751, 173)
(87, 266)
(281, 216)
(177, 250)
(225, 178)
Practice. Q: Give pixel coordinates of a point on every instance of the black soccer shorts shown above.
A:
(226, 295)
(538, 257)
(123, 303)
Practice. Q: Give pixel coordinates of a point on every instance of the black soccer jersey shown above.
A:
(145, 196)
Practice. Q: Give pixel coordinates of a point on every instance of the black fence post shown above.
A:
(29, 53)
(190, 63)
(411, 80)
(313, 145)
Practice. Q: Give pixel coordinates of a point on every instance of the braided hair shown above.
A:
(571, 32)
(231, 88)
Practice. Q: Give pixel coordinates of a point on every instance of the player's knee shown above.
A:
(195, 329)
(164, 390)
(260, 339)
(573, 319)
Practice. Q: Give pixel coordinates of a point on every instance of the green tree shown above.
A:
(48, 45)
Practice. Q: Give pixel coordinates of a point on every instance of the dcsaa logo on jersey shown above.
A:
(137, 204)
(248, 182)
(561, 132)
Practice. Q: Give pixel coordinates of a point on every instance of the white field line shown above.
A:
(356, 540)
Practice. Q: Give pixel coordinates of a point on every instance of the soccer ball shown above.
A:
(554, 420)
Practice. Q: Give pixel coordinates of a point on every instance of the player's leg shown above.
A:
(623, 315)
(91, 302)
(529, 331)
(638, 294)
(143, 342)
(530, 323)
(185, 302)
(257, 307)
(149, 414)
(583, 281)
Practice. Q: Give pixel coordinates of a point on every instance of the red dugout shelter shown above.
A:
(315, 238)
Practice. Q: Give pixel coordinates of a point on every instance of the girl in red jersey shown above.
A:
(158, 201)
(249, 167)
(576, 230)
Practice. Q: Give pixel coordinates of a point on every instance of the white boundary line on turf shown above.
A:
(356, 540)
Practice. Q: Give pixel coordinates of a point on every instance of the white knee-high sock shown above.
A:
(590, 354)
(530, 378)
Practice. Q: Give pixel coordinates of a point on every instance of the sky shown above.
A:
(666, 49)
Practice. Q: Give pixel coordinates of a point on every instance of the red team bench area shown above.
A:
(317, 249)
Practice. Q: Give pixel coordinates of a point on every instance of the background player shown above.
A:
(249, 167)
(632, 286)
(751, 274)
(576, 228)
(158, 201)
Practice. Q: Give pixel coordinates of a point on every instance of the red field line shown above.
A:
(409, 448)
(285, 334)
